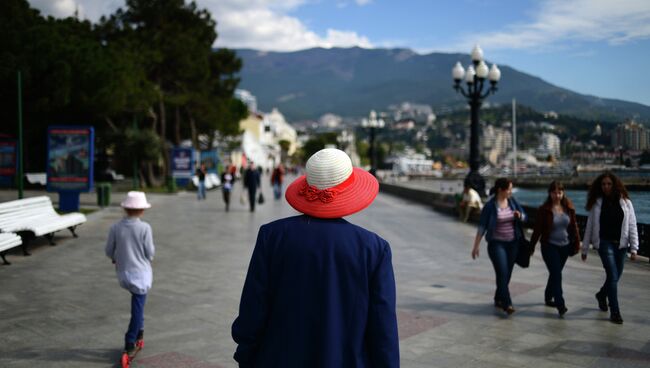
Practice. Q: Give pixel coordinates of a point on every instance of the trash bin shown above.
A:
(103, 194)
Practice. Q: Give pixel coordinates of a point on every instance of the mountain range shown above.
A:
(350, 82)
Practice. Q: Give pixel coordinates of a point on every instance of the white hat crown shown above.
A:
(135, 200)
(328, 168)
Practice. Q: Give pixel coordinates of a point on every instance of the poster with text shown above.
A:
(70, 158)
(7, 162)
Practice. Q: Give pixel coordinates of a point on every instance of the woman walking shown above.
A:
(498, 224)
(611, 228)
(556, 225)
(227, 181)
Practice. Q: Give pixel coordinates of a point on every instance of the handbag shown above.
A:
(260, 199)
(523, 255)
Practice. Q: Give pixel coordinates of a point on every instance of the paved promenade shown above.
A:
(62, 306)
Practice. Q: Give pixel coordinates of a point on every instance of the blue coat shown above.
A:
(488, 220)
(319, 293)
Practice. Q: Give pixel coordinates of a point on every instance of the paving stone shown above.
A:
(62, 306)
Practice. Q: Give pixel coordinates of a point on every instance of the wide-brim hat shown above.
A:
(331, 187)
(135, 201)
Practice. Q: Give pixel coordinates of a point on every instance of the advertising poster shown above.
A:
(70, 158)
(182, 165)
(211, 161)
(8, 162)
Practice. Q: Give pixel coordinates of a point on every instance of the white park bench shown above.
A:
(33, 217)
(8, 241)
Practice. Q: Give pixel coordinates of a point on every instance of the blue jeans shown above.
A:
(277, 190)
(555, 258)
(503, 255)
(613, 260)
(137, 318)
(201, 190)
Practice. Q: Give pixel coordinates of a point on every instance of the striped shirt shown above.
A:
(505, 229)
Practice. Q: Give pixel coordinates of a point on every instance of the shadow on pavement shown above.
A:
(72, 355)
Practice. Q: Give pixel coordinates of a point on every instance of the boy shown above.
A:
(130, 247)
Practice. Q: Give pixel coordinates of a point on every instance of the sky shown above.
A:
(594, 47)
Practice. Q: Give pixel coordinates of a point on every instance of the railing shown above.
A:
(446, 203)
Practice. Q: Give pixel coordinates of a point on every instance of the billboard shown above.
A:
(8, 162)
(182, 164)
(211, 161)
(70, 158)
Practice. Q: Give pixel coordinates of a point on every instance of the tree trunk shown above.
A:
(141, 176)
(151, 176)
(154, 118)
(110, 123)
(177, 127)
(193, 131)
(163, 135)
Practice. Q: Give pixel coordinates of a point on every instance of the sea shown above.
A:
(535, 197)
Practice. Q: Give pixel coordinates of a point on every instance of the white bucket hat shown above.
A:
(135, 201)
(332, 188)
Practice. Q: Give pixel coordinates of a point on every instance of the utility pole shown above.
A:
(136, 181)
(514, 137)
(20, 137)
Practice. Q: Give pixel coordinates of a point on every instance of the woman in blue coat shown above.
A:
(320, 291)
(498, 223)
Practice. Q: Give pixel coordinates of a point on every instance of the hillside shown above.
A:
(351, 81)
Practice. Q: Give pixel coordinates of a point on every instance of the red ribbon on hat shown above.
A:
(311, 193)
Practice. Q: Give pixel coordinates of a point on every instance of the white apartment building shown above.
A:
(549, 146)
(497, 142)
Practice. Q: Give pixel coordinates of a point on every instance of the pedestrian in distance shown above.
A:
(227, 183)
(557, 227)
(470, 201)
(252, 183)
(200, 173)
(320, 291)
(277, 177)
(498, 224)
(611, 228)
(130, 246)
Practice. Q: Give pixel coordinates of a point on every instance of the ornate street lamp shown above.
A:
(373, 123)
(474, 77)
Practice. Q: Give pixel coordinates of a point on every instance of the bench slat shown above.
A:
(36, 215)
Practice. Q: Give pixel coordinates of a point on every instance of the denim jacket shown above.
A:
(488, 220)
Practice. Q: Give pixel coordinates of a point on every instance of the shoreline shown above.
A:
(570, 182)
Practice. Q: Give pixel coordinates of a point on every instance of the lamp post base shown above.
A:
(475, 181)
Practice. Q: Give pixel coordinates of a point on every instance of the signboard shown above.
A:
(70, 158)
(8, 162)
(211, 161)
(182, 165)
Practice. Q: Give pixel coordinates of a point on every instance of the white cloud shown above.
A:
(257, 24)
(264, 25)
(362, 2)
(556, 21)
(86, 9)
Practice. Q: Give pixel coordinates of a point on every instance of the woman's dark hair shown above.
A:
(556, 185)
(500, 184)
(596, 189)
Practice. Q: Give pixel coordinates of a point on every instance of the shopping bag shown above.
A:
(260, 199)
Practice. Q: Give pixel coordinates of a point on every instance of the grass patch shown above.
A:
(85, 211)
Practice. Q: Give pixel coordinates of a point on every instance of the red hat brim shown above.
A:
(355, 197)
